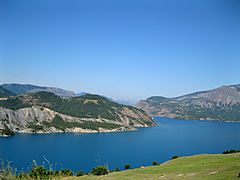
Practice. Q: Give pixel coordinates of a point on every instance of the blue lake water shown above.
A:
(84, 151)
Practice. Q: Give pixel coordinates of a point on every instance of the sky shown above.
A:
(123, 49)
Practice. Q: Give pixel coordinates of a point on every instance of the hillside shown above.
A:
(5, 93)
(28, 88)
(43, 112)
(207, 167)
(222, 103)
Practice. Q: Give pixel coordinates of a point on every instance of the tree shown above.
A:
(127, 166)
(154, 163)
(99, 170)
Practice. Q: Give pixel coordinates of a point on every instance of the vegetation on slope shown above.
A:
(87, 106)
(5, 93)
(90, 112)
(6, 130)
(14, 103)
(60, 124)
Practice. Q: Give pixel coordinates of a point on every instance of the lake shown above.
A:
(85, 151)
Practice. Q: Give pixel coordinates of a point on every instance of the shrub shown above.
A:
(99, 170)
(80, 173)
(175, 157)
(23, 176)
(127, 166)
(154, 163)
(38, 172)
(116, 170)
(56, 173)
(66, 172)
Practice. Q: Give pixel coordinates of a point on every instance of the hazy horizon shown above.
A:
(125, 50)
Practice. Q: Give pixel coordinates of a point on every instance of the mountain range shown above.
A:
(29, 110)
(222, 103)
(26, 108)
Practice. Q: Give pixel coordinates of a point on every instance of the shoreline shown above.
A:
(101, 130)
(73, 131)
(206, 120)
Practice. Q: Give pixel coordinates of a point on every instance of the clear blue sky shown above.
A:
(124, 49)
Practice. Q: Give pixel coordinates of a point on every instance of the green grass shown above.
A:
(207, 167)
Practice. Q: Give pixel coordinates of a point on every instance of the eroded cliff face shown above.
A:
(38, 119)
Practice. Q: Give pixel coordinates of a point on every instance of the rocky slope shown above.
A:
(222, 103)
(44, 112)
(28, 88)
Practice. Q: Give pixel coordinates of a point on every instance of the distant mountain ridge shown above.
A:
(222, 103)
(124, 102)
(5, 92)
(28, 88)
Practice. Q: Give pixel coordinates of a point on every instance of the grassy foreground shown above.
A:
(209, 166)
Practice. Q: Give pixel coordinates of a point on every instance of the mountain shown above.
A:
(222, 103)
(124, 102)
(5, 93)
(28, 88)
(81, 94)
(43, 112)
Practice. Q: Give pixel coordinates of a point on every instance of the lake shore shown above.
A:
(159, 143)
(74, 130)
